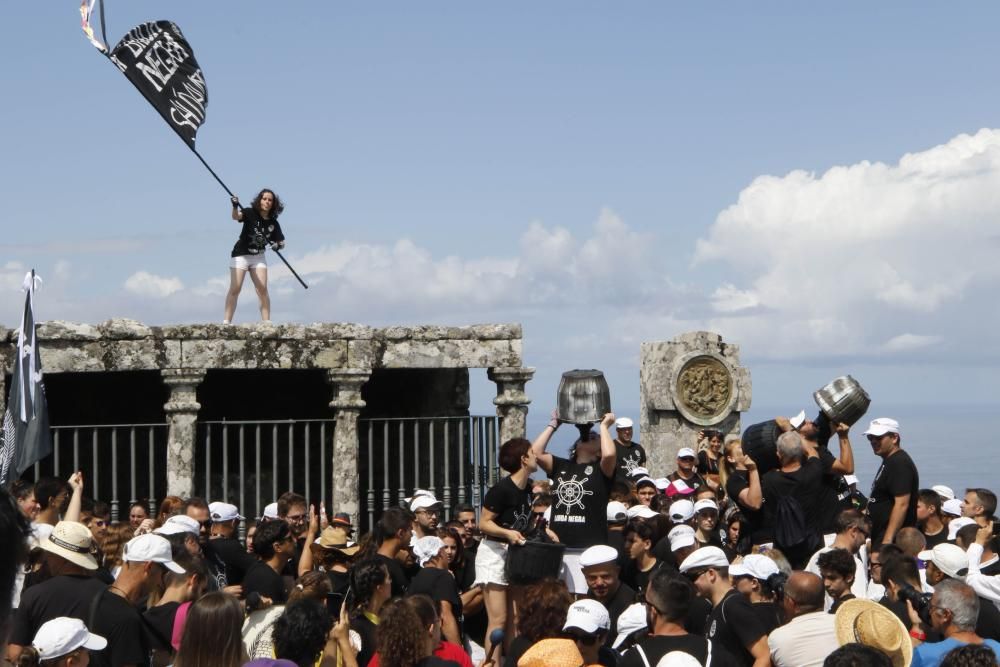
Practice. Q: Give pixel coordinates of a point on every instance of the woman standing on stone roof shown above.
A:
(260, 229)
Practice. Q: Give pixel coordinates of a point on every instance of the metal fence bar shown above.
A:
(55, 458)
(461, 463)
(371, 476)
(447, 478)
(306, 439)
(151, 497)
(416, 457)
(257, 462)
(132, 480)
(242, 476)
(385, 467)
(93, 449)
(291, 456)
(76, 449)
(322, 462)
(114, 476)
(274, 461)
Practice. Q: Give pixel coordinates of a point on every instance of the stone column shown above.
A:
(182, 418)
(347, 404)
(511, 401)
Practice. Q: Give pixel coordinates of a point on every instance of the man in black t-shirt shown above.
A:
(224, 546)
(893, 500)
(435, 581)
(732, 626)
(834, 468)
(668, 602)
(393, 533)
(274, 544)
(630, 455)
(793, 488)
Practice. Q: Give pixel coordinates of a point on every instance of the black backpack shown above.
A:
(790, 526)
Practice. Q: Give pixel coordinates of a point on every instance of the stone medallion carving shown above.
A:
(703, 390)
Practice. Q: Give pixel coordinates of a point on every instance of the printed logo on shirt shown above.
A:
(630, 463)
(570, 492)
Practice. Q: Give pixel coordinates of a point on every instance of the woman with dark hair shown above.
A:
(260, 229)
(505, 515)
(301, 633)
(258, 631)
(710, 455)
(137, 513)
(24, 493)
(405, 641)
(542, 616)
(737, 542)
(212, 633)
(371, 588)
(170, 506)
(430, 618)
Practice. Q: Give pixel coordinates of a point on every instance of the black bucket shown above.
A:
(760, 442)
(533, 561)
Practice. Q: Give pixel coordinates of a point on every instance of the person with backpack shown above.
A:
(791, 499)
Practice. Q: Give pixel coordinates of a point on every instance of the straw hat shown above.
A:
(871, 624)
(552, 653)
(72, 541)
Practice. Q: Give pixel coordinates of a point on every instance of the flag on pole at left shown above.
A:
(25, 438)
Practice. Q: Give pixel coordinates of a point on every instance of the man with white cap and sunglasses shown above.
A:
(687, 462)
(893, 501)
(224, 548)
(113, 614)
(589, 625)
(630, 454)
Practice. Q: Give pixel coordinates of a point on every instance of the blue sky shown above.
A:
(811, 181)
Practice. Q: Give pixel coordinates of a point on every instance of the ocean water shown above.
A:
(951, 445)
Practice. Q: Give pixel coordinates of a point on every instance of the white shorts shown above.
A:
(491, 562)
(248, 262)
(572, 573)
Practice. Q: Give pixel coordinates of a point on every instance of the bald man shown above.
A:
(808, 635)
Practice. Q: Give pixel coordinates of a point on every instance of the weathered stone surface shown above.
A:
(511, 400)
(669, 417)
(59, 330)
(449, 354)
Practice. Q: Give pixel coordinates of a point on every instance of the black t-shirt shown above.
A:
(67, 595)
(770, 614)
(340, 581)
(399, 579)
(657, 646)
(897, 476)
(511, 504)
(827, 498)
(991, 570)
(580, 512)
(440, 586)
(696, 620)
(988, 623)
(733, 625)
(735, 483)
(120, 623)
(629, 458)
(803, 485)
(636, 578)
(518, 647)
(366, 631)
(233, 557)
(252, 223)
(160, 622)
(839, 601)
(939, 538)
(706, 465)
(262, 579)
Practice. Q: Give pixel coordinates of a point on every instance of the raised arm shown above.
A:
(752, 496)
(237, 211)
(76, 500)
(542, 441)
(609, 455)
(844, 464)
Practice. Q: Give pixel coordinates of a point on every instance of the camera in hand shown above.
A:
(921, 601)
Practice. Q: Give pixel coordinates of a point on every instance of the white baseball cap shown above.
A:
(798, 420)
(631, 620)
(681, 511)
(423, 502)
(641, 511)
(943, 491)
(706, 504)
(150, 548)
(948, 558)
(676, 488)
(881, 426)
(639, 472)
(171, 529)
(61, 636)
(645, 480)
(662, 483)
(686, 451)
(598, 555)
(623, 422)
(952, 506)
(705, 557)
(617, 512)
(588, 615)
(224, 512)
(270, 511)
(681, 536)
(427, 548)
(958, 524)
(185, 522)
(754, 565)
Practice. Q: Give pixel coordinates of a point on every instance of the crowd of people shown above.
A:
(764, 556)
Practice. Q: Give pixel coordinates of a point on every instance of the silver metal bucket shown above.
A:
(843, 400)
(583, 397)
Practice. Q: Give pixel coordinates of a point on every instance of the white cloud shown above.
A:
(838, 263)
(149, 285)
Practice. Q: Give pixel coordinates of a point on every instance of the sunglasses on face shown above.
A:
(695, 575)
(686, 459)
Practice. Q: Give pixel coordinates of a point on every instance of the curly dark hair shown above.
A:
(267, 536)
(365, 576)
(970, 655)
(544, 612)
(300, 632)
(402, 639)
(857, 655)
(276, 208)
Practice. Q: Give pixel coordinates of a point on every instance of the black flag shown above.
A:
(26, 436)
(160, 63)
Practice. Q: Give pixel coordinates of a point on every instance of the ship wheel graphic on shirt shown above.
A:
(570, 492)
(630, 463)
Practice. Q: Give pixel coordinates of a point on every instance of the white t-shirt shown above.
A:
(805, 641)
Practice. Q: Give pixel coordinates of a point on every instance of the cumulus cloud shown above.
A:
(144, 284)
(843, 261)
